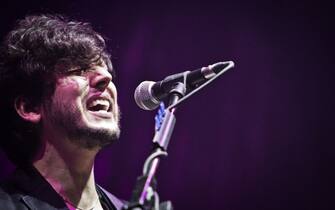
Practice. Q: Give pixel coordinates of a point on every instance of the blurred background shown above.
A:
(259, 137)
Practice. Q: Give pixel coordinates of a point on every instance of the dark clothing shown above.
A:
(28, 190)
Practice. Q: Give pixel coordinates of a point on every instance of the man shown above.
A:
(59, 109)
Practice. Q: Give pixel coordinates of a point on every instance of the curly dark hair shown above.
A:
(30, 56)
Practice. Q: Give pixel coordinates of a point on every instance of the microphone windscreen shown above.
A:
(143, 96)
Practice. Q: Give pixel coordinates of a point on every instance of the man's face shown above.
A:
(84, 107)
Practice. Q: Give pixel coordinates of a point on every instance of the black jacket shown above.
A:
(28, 190)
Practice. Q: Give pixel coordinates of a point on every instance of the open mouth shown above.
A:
(99, 105)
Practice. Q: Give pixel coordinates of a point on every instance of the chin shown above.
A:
(94, 135)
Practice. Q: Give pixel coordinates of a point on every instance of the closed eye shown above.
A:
(77, 72)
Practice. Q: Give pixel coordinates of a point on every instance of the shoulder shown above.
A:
(4, 196)
(8, 200)
(23, 191)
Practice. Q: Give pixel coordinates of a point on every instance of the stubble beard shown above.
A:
(70, 120)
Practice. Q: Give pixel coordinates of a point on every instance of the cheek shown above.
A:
(68, 82)
(68, 93)
(70, 87)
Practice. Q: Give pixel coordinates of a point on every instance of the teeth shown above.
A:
(102, 102)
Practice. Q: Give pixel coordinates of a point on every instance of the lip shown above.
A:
(102, 114)
(105, 96)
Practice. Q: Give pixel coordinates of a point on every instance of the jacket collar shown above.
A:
(110, 198)
(35, 191)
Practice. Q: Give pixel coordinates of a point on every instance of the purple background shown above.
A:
(260, 137)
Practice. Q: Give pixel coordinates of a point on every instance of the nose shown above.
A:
(100, 78)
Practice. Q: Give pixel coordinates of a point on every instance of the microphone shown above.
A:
(149, 94)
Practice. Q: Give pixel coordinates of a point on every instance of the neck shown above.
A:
(69, 169)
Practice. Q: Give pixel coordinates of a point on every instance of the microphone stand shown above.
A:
(144, 196)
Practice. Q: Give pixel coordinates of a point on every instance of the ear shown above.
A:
(26, 110)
